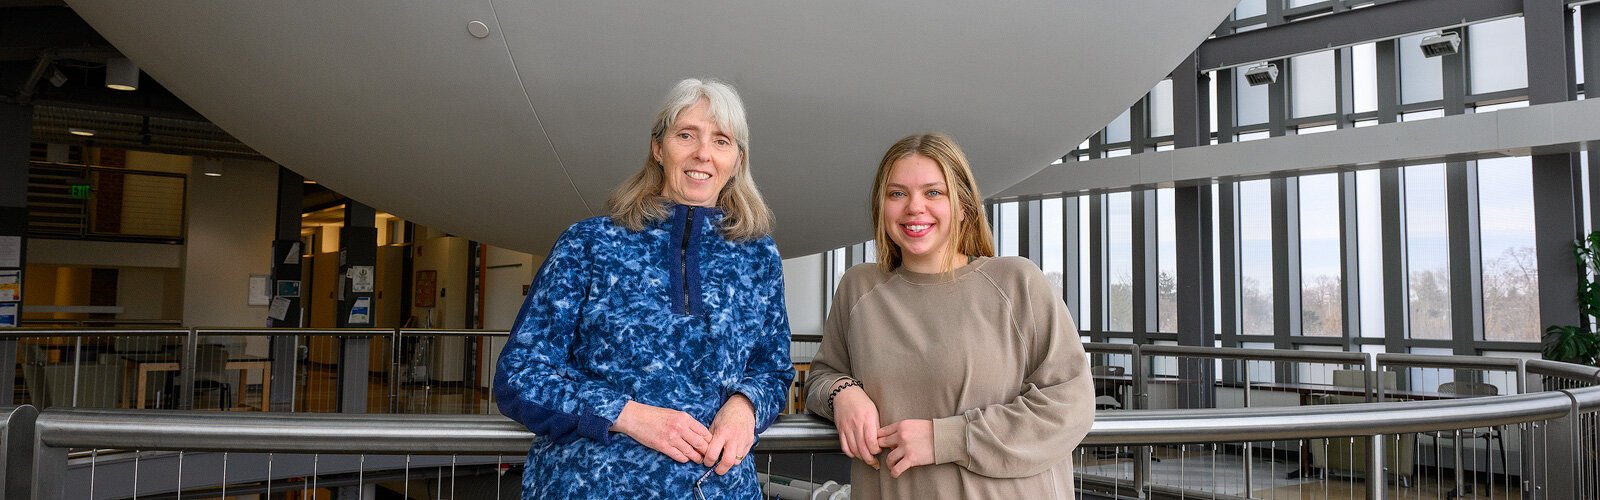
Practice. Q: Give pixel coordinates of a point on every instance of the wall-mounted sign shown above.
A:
(78, 191)
(425, 287)
(361, 278)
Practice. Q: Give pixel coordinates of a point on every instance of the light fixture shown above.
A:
(1442, 44)
(211, 166)
(57, 78)
(121, 74)
(308, 181)
(80, 131)
(1261, 74)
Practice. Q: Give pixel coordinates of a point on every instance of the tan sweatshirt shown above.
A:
(989, 353)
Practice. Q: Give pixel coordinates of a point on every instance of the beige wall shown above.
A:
(149, 293)
(104, 253)
(447, 256)
(231, 224)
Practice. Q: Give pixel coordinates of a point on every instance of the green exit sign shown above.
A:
(79, 191)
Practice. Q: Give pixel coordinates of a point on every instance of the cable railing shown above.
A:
(488, 439)
(448, 372)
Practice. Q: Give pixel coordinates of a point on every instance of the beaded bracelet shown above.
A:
(841, 387)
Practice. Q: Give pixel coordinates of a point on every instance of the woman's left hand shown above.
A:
(733, 432)
(910, 443)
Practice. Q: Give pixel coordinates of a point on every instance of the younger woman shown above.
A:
(949, 373)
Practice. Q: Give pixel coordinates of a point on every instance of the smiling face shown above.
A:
(917, 215)
(697, 157)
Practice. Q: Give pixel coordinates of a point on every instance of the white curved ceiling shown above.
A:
(510, 138)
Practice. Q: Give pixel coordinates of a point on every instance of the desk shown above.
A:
(145, 364)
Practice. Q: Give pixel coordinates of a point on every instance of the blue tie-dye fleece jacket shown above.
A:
(674, 316)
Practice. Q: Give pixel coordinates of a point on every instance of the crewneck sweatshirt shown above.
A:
(988, 352)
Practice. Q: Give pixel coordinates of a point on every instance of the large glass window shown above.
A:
(1428, 252)
(1364, 74)
(1211, 102)
(1118, 130)
(1314, 86)
(1255, 257)
(1052, 261)
(1249, 102)
(1321, 305)
(1216, 258)
(1369, 252)
(1498, 56)
(1119, 261)
(1249, 8)
(1086, 310)
(1577, 41)
(1421, 77)
(1510, 270)
(1167, 263)
(1007, 230)
(1161, 109)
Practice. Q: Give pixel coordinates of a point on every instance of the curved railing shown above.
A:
(1563, 413)
(61, 429)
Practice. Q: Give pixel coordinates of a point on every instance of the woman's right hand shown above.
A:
(671, 432)
(856, 417)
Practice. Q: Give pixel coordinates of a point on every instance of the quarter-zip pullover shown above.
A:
(675, 316)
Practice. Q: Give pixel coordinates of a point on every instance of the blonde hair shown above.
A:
(970, 236)
(638, 201)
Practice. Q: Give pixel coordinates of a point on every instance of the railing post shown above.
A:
(1141, 401)
(356, 357)
(191, 348)
(285, 363)
(394, 370)
(49, 470)
(77, 365)
(1377, 478)
(1561, 456)
(8, 383)
(16, 452)
(1525, 431)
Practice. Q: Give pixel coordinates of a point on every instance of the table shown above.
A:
(145, 364)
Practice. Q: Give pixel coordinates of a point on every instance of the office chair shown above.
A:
(1103, 400)
(210, 375)
(1472, 389)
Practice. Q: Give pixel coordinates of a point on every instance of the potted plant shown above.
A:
(1575, 343)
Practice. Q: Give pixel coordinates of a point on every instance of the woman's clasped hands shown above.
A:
(683, 439)
(909, 442)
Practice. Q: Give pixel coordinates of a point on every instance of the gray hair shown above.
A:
(745, 214)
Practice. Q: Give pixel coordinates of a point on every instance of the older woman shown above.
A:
(965, 369)
(654, 344)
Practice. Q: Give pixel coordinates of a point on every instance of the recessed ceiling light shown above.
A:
(80, 131)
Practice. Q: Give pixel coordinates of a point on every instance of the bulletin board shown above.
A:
(426, 286)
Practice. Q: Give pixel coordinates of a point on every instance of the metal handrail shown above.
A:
(441, 332)
(493, 434)
(1567, 370)
(14, 333)
(346, 332)
(1109, 348)
(1448, 361)
(1349, 358)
